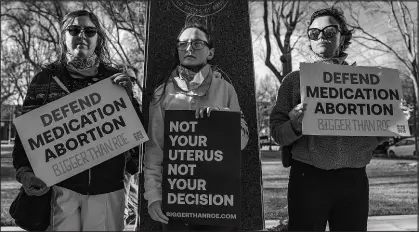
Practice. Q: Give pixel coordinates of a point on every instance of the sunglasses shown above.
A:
(196, 44)
(328, 32)
(75, 30)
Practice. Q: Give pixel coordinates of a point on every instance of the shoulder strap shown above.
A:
(61, 84)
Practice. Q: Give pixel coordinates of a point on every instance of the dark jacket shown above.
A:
(103, 178)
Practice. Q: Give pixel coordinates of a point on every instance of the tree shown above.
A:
(30, 31)
(126, 30)
(14, 75)
(266, 93)
(287, 14)
(400, 41)
(29, 35)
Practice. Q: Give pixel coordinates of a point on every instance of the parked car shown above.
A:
(404, 147)
(382, 148)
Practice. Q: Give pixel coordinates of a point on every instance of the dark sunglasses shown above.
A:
(328, 32)
(196, 44)
(75, 30)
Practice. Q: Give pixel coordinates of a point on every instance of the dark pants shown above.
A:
(178, 225)
(338, 196)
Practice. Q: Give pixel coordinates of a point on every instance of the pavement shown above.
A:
(375, 223)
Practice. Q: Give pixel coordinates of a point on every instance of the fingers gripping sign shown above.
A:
(124, 79)
(296, 116)
(208, 109)
(156, 213)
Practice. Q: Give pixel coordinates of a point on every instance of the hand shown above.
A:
(32, 185)
(156, 213)
(200, 111)
(296, 116)
(124, 80)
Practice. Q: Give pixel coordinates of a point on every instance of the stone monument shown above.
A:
(228, 22)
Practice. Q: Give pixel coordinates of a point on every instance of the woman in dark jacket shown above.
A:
(328, 182)
(92, 199)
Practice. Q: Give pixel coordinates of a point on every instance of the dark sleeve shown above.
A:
(132, 163)
(30, 102)
(280, 124)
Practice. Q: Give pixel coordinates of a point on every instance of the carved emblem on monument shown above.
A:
(201, 8)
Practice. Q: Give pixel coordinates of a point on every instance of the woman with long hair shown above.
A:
(94, 198)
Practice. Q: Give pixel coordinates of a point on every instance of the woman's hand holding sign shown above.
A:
(200, 111)
(296, 116)
(154, 209)
(32, 185)
(125, 80)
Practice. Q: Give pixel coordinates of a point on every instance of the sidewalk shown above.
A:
(376, 223)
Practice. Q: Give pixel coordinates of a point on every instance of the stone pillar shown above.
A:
(228, 22)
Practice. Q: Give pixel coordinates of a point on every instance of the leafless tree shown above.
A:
(30, 31)
(266, 93)
(400, 41)
(285, 15)
(126, 31)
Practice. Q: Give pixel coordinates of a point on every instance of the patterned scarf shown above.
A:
(189, 82)
(82, 67)
(314, 58)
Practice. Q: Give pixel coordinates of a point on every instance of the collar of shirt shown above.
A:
(198, 86)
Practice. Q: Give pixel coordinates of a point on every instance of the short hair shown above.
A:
(101, 49)
(200, 27)
(338, 15)
(191, 24)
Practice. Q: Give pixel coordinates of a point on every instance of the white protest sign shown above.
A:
(352, 101)
(79, 131)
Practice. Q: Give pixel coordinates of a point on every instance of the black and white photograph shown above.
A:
(209, 115)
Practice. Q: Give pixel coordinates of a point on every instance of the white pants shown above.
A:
(72, 211)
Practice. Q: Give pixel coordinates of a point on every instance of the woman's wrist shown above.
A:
(295, 129)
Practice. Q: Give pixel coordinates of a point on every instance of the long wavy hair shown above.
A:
(101, 49)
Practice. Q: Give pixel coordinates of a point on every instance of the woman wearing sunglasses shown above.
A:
(327, 182)
(193, 84)
(93, 199)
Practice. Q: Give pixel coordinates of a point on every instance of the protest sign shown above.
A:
(352, 101)
(79, 131)
(201, 167)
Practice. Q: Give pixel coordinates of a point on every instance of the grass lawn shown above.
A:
(9, 189)
(393, 187)
(7, 196)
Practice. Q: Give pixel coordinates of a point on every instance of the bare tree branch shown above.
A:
(268, 62)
